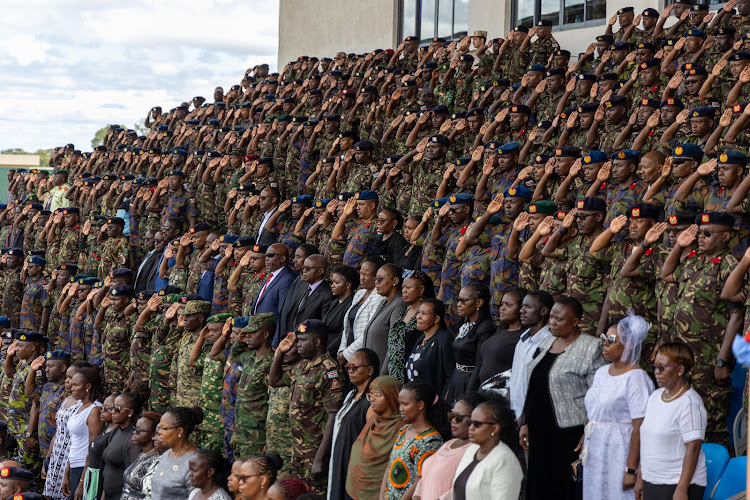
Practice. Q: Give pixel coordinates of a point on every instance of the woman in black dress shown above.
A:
(363, 367)
(495, 356)
(473, 305)
(120, 451)
(432, 360)
(344, 281)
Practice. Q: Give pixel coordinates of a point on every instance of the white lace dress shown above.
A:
(612, 403)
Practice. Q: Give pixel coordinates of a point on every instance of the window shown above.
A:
(562, 13)
(426, 19)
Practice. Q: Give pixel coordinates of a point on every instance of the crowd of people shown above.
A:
(471, 268)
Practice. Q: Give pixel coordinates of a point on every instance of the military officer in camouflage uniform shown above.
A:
(544, 45)
(114, 250)
(360, 237)
(187, 377)
(11, 286)
(116, 328)
(253, 354)
(316, 397)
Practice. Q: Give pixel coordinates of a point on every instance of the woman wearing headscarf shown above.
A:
(616, 405)
(370, 452)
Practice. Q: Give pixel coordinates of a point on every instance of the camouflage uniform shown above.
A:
(115, 342)
(700, 320)
(188, 378)
(449, 277)
(504, 270)
(621, 197)
(140, 358)
(359, 242)
(587, 281)
(211, 429)
(427, 177)
(232, 373)
(19, 414)
(71, 245)
(163, 349)
(11, 291)
(359, 178)
(35, 299)
(49, 401)
(316, 395)
(114, 253)
(541, 50)
(251, 406)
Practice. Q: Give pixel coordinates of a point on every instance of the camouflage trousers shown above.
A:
(248, 436)
(159, 375)
(228, 422)
(716, 399)
(29, 460)
(303, 456)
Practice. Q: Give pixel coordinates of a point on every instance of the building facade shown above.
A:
(323, 27)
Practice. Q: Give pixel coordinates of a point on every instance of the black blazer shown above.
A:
(333, 316)
(291, 315)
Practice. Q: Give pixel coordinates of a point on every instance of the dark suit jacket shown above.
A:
(333, 316)
(146, 277)
(274, 294)
(291, 315)
(267, 237)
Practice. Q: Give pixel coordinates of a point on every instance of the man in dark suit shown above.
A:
(145, 278)
(268, 203)
(305, 299)
(280, 278)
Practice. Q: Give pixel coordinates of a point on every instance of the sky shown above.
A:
(69, 68)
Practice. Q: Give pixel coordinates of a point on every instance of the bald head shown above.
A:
(650, 166)
(277, 256)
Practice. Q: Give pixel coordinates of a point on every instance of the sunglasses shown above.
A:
(708, 234)
(354, 368)
(457, 417)
(464, 300)
(478, 423)
(680, 161)
(371, 395)
(608, 339)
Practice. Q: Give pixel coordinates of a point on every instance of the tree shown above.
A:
(98, 139)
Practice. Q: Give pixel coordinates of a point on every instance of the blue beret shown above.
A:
(649, 103)
(58, 354)
(544, 22)
(67, 266)
(366, 195)
(178, 173)
(520, 108)
(201, 226)
(568, 152)
(624, 10)
(541, 159)
(440, 139)
(508, 148)
(588, 107)
(518, 192)
(31, 337)
(605, 38)
(322, 203)
(4, 321)
(245, 241)
(586, 76)
(240, 322)
(75, 278)
(644, 211)
(605, 77)
(393, 159)
(440, 109)
(650, 13)
(732, 158)
(440, 202)
(672, 102)
(537, 67)
(718, 218)
(179, 151)
(464, 160)
(691, 69)
(703, 111)
(36, 260)
(621, 46)
(626, 154)
(695, 32)
(475, 112)
(461, 199)
(466, 57)
(345, 195)
(302, 199)
(594, 157)
(37, 206)
(145, 294)
(90, 281)
(615, 100)
(555, 72)
(122, 272)
(740, 55)
(363, 146)
(687, 150)
(17, 474)
(228, 238)
(13, 251)
(121, 290)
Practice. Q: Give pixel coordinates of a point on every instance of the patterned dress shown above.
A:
(407, 457)
(59, 458)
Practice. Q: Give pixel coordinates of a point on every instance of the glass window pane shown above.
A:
(524, 13)
(596, 9)
(445, 18)
(551, 11)
(460, 18)
(427, 30)
(573, 12)
(409, 19)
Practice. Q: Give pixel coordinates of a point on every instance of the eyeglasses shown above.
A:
(457, 417)
(464, 300)
(354, 368)
(371, 395)
(271, 255)
(246, 477)
(707, 234)
(608, 339)
(379, 279)
(118, 408)
(582, 216)
(662, 368)
(478, 423)
(141, 431)
(170, 428)
(310, 268)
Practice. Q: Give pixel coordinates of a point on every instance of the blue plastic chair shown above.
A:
(717, 458)
(732, 480)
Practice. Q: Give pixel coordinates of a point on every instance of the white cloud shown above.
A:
(70, 68)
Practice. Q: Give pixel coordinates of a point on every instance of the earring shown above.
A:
(493, 433)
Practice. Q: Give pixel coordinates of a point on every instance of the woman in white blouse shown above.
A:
(364, 306)
(490, 469)
(672, 463)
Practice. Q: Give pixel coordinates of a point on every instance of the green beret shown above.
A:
(219, 318)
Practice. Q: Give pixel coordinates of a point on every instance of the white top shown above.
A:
(364, 314)
(79, 436)
(496, 477)
(522, 356)
(665, 430)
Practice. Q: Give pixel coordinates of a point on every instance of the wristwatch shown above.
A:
(720, 363)
(628, 470)
(28, 434)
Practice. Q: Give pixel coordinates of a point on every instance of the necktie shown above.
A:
(262, 291)
(304, 297)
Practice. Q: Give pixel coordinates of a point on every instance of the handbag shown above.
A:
(498, 385)
(577, 467)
